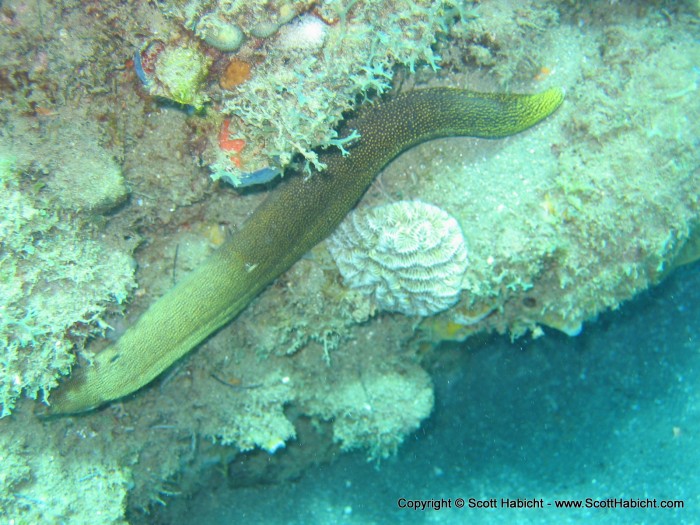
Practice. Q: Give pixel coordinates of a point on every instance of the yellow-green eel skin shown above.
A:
(297, 215)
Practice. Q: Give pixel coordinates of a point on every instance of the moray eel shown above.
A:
(297, 215)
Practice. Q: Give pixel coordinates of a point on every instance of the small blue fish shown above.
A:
(253, 178)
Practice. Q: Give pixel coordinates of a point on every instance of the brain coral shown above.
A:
(409, 256)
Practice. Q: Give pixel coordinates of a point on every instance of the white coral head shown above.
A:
(409, 256)
(307, 33)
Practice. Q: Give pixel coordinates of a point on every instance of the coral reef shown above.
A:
(560, 236)
(307, 33)
(236, 72)
(604, 196)
(376, 412)
(55, 285)
(499, 37)
(224, 36)
(179, 74)
(409, 256)
(310, 62)
(39, 482)
(295, 217)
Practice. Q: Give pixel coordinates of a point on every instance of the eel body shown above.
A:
(298, 214)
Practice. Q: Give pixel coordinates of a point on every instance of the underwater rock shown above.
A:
(379, 411)
(179, 76)
(218, 33)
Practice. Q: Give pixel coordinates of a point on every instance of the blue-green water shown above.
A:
(612, 413)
